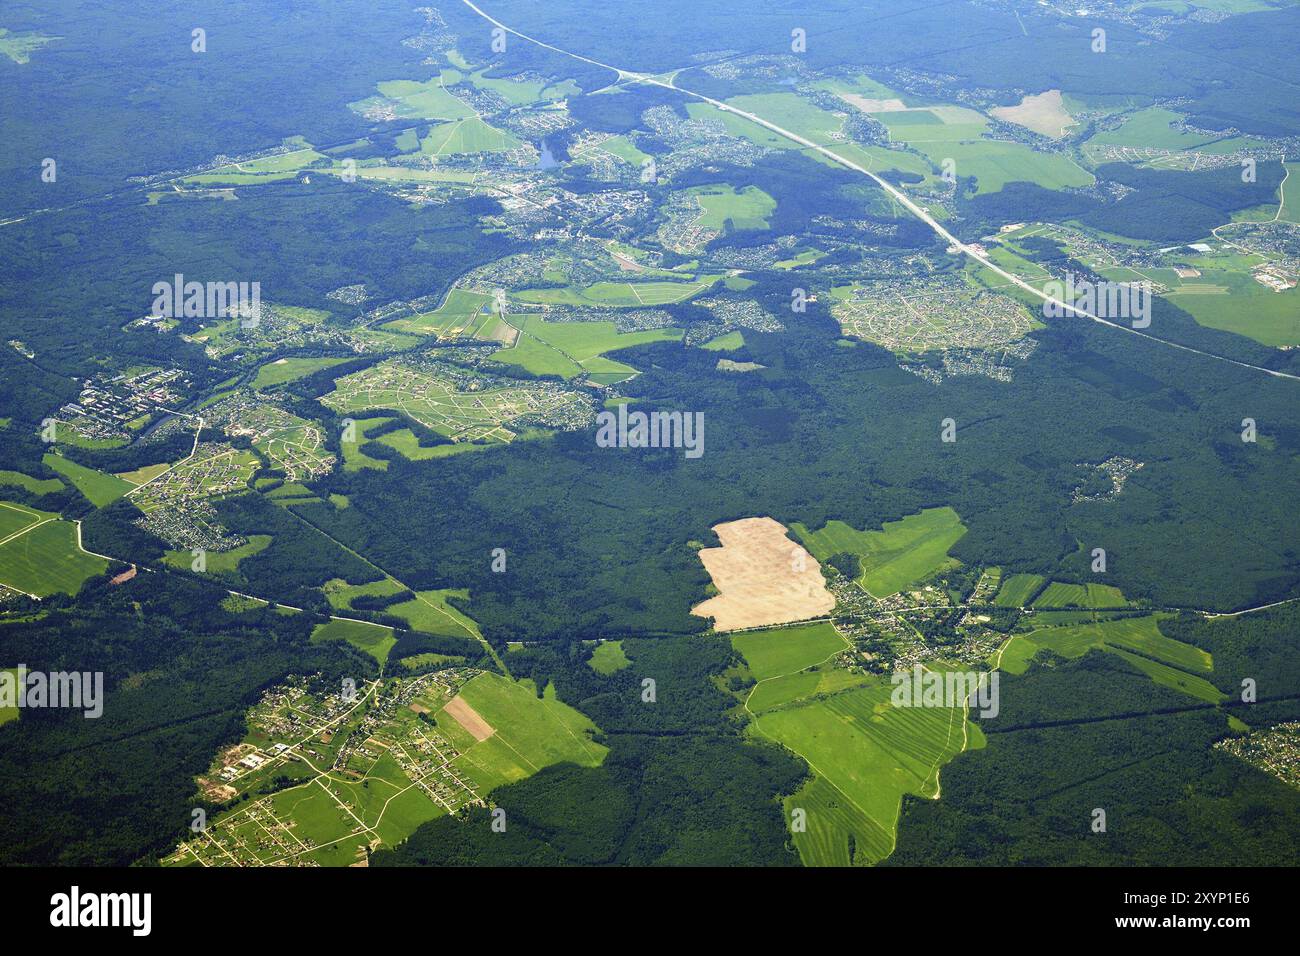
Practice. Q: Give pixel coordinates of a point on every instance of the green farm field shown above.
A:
(429, 612)
(815, 124)
(865, 754)
(470, 135)
(904, 553)
(275, 168)
(463, 313)
(785, 650)
(37, 486)
(620, 295)
(570, 348)
(45, 560)
(1017, 589)
(412, 99)
(1138, 640)
(1091, 596)
(14, 518)
(354, 459)
(1231, 300)
(290, 370)
(529, 733)
(1149, 127)
(746, 208)
(373, 639)
(220, 562)
(100, 489)
(341, 594)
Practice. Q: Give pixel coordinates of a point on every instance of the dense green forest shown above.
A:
(1094, 733)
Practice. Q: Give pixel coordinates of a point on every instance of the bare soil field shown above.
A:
(869, 105)
(764, 577)
(1043, 113)
(469, 718)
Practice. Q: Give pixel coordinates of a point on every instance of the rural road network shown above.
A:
(898, 195)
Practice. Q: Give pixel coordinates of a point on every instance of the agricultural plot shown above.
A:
(763, 578)
(820, 126)
(144, 474)
(98, 488)
(603, 150)
(1289, 198)
(1044, 113)
(619, 295)
(865, 754)
(354, 459)
(1227, 294)
(787, 650)
(865, 94)
(1239, 280)
(570, 349)
(1091, 596)
(290, 370)
(814, 682)
(373, 639)
(274, 168)
(384, 173)
(465, 314)
(37, 486)
(523, 91)
(727, 342)
(920, 315)
(16, 518)
(430, 612)
(341, 594)
(1017, 589)
(1138, 640)
(220, 562)
(527, 733)
(46, 558)
(407, 444)
(901, 555)
(959, 135)
(470, 135)
(412, 99)
(457, 405)
(1154, 126)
